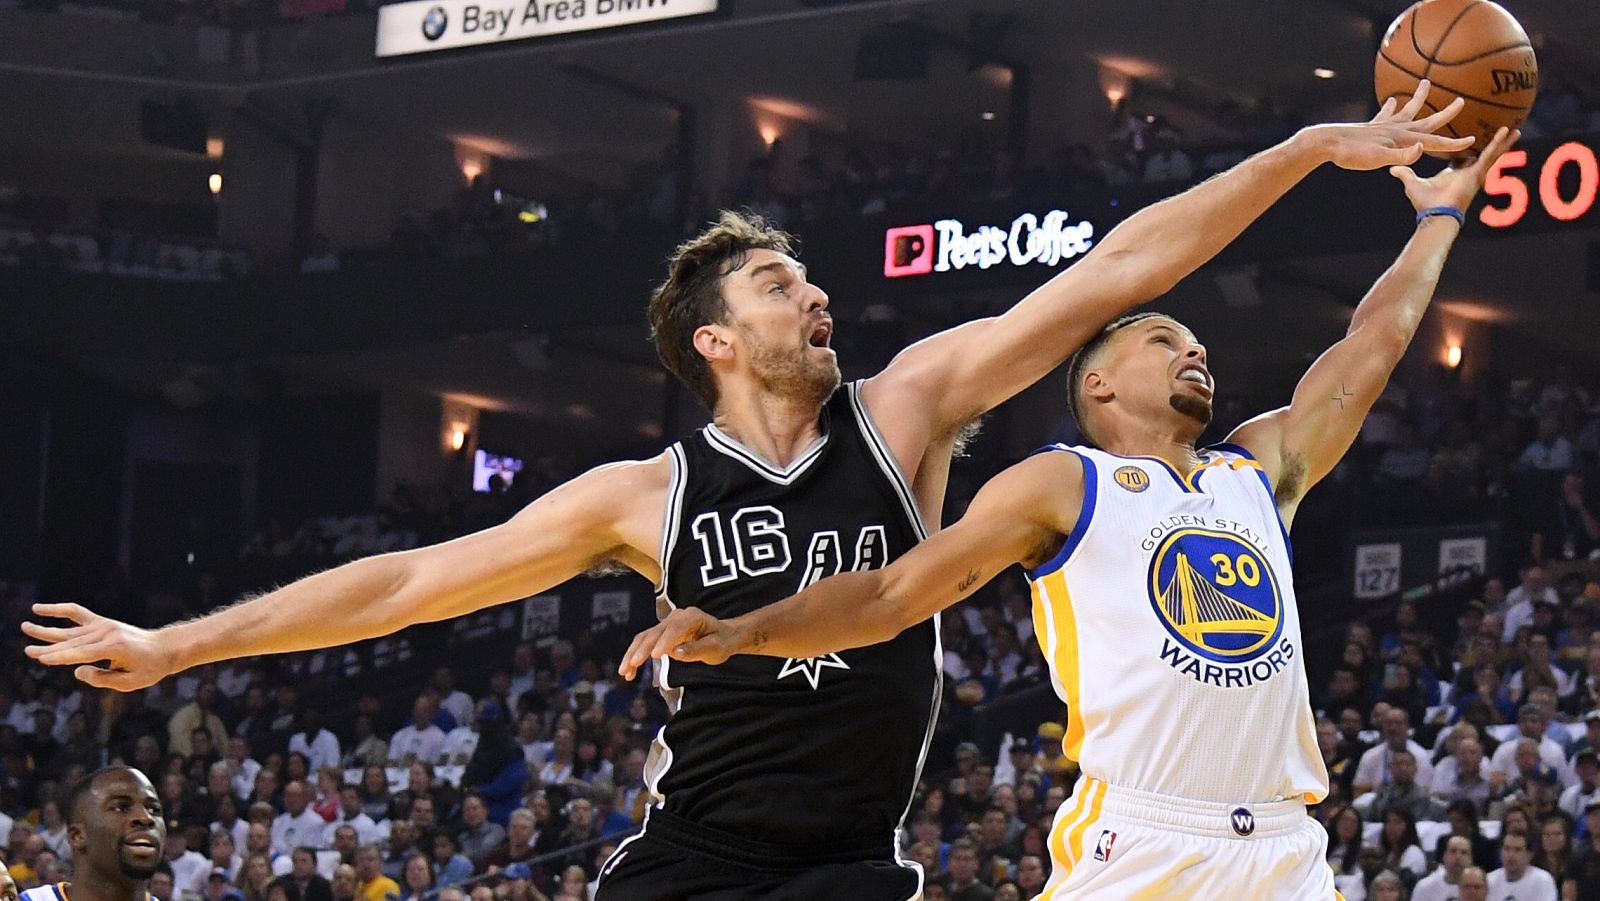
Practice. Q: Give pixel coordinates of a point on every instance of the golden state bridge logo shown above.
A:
(1218, 599)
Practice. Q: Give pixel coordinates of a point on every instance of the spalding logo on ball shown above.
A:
(434, 23)
(1472, 49)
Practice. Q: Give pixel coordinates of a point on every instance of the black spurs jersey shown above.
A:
(822, 753)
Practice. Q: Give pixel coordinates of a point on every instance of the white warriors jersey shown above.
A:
(1170, 626)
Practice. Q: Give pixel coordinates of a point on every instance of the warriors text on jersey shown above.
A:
(821, 753)
(1170, 626)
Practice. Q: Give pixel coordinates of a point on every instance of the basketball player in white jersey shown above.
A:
(117, 834)
(1162, 594)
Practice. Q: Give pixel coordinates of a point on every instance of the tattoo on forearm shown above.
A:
(758, 641)
(1343, 393)
(968, 581)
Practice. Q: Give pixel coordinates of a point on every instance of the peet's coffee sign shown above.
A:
(948, 244)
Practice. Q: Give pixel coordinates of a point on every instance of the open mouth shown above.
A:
(821, 335)
(143, 841)
(1196, 375)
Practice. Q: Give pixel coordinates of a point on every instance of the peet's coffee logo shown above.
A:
(948, 244)
(1508, 81)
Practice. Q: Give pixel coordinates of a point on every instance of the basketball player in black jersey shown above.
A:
(774, 779)
(115, 828)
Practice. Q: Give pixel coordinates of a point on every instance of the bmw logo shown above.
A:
(434, 23)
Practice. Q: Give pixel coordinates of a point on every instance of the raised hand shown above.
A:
(134, 658)
(689, 634)
(1394, 137)
(1456, 186)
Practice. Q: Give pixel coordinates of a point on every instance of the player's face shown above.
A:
(1157, 367)
(121, 832)
(779, 330)
(8, 886)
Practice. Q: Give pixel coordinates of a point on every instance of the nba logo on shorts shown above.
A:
(908, 250)
(1243, 821)
(1102, 848)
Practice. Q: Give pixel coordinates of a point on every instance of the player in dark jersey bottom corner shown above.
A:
(116, 832)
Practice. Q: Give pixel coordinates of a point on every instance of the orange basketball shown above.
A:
(1472, 49)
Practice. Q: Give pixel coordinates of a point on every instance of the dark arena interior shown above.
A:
(287, 284)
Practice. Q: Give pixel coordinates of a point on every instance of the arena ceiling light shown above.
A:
(1323, 72)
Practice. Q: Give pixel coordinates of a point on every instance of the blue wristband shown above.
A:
(1452, 212)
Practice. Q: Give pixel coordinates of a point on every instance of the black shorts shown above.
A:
(670, 863)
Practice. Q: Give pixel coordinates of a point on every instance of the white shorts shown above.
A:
(1118, 844)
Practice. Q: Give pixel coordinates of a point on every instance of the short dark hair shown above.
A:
(692, 294)
(1080, 362)
(80, 790)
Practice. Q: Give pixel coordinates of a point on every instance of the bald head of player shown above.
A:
(117, 834)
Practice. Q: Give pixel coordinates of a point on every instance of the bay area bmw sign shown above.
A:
(418, 26)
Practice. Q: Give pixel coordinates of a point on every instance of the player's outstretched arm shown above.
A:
(1300, 444)
(962, 373)
(605, 514)
(1020, 516)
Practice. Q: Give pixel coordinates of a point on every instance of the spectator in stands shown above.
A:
(518, 846)
(308, 884)
(1539, 664)
(224, 855)
(1550, 451)
(189, 869)
(1535, 586)
(480, 835)
(352, 813)
(298, 825)
(374, 885)
(1463, 776)
(1344, 842)
(1376, 768)
(1443, 883)
(419, 740)
(320, 747)
(1531, 723)
(199, 713)
(345, 884)
(1402, 849)
(370, 748)
(558, 770)
(451, 699)
(1563, 526)
(375, 798)
(258, 842)
(416, 878)
(1517, 878)
(345, 842)
(1464, 821)
(1402, 792)
(1555, 846)
(1585, 873)
(450, 866)
(1386, 886)
(1586, 771)
(962, 882)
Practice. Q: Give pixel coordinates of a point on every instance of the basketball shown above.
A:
(1472, 49)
